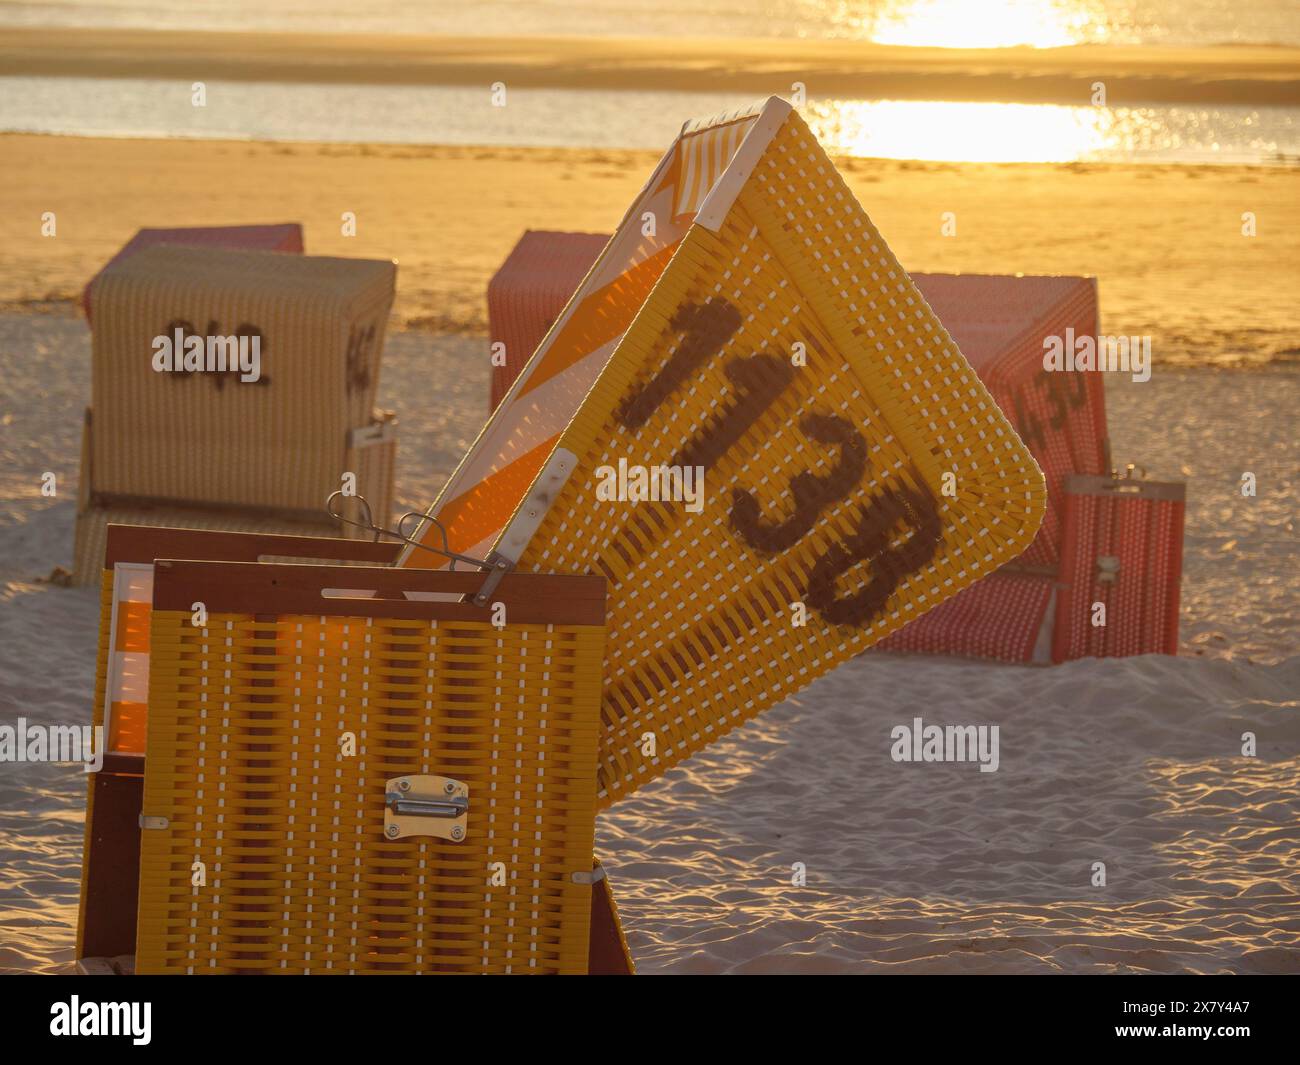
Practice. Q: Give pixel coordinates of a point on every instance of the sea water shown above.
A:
(545, 117)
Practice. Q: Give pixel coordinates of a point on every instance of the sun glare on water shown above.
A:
(986, 23)
(1022, 133)
(977, 132)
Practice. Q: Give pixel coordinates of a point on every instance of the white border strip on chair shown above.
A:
(546, 486)
(717, 204)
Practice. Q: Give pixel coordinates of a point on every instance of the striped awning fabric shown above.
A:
(127, 696)
(705, 150)
(482, 494)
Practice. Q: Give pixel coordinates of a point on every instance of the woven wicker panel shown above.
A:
(129, 631)
(703, 631)
(373, 459)
(1137, 528)
(138, 544)
(1000, 324)
(207, 437)
(92, 528)
(244, 760)
(608, 948)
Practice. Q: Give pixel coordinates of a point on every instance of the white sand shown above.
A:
(913, 868)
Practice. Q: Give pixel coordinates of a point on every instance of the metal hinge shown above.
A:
(146, 821)
(500, 567)
(426, 806)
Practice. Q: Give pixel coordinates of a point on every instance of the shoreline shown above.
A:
(1275, 161)
(1163, 239)
(1224, 74)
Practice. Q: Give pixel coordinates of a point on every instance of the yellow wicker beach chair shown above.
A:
(112, 871)
(746, 320)
(111, 856)
(1001, 323)
(342, 779)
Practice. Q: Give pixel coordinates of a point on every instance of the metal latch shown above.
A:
(426, 806)
(1107, 568)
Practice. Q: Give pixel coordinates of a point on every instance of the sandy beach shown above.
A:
(1136, 762)
(1165, 242)
(1133, 762)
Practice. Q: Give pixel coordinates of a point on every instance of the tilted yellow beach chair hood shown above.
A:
(746, 322)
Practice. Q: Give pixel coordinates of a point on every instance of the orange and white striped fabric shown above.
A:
(482, 494)
(126, 698)
(704, 151)
(527, 293)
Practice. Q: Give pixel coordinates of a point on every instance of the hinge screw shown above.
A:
(449, 788)
(391, 831)
(457, 833)
(403, 785)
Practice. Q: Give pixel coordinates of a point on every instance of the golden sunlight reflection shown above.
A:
(988, 24)
(983, 132)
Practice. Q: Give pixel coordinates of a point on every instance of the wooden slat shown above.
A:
(142, 543)
(259, 587)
